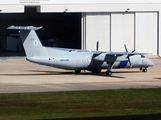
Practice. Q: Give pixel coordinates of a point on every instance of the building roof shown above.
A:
(75, 1)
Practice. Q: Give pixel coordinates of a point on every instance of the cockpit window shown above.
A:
(142, 56)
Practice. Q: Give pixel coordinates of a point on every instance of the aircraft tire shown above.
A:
(144, 70)
(77, 71)
(108, 73)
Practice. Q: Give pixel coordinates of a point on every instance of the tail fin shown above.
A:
(30, 40)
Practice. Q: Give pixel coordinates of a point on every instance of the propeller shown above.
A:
(128, 55)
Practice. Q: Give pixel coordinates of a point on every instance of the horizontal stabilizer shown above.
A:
(23, 28)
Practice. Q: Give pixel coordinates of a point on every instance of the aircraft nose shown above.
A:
(148, 62)
(151, 63)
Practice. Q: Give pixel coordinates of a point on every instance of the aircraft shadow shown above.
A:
(126, 72)
(38, 73)
(158, 78)
(45, 73)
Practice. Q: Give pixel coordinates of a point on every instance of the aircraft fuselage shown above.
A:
(84, 61)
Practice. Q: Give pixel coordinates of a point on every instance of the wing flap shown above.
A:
(105, 57)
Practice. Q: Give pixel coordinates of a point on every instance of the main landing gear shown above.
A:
(96, 71)
(108, 73)
(77, 71)
(110, 66)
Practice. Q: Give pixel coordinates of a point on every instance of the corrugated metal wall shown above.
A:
(98, 29)
(122, 31)
(137, 30)
(146, 32)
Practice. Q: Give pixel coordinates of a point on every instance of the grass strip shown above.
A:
(71, 104)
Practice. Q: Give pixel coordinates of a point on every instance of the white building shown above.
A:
(81, 23)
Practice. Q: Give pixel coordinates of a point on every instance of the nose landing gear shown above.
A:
(144, 70)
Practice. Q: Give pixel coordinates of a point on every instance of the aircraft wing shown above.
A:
(115, 56)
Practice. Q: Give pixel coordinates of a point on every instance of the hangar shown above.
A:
(80, 24)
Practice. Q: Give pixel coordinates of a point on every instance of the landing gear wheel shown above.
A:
(77, 71)
(145, 70)
(108, 73)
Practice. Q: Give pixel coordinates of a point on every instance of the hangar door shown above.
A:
(122, 31)
(98, 29)
(59, 29)
(146, 32)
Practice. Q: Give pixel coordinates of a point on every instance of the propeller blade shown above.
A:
(129, 61)
(133, 51)
(97, 46)
(125, 48)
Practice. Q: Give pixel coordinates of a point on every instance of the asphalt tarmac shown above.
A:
(18, 75)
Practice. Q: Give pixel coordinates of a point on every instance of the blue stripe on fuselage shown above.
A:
(122, 64)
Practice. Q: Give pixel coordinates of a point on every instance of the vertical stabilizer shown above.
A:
(30, 40)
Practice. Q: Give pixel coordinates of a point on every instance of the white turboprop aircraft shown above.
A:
(73, 59)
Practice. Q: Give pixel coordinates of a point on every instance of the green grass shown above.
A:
(79, 103)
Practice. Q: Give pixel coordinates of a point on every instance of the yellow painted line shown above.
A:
(21, 85)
